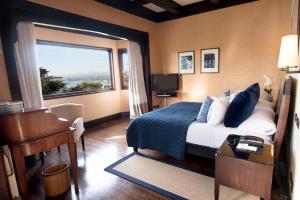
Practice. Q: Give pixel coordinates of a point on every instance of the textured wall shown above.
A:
(248, 36)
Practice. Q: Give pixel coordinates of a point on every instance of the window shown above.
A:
(124, 68)
(68, 69)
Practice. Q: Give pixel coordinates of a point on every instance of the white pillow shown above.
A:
(265, 105)
(217, 110)
(260, 122)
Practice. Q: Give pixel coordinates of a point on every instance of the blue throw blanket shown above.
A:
(164, 130)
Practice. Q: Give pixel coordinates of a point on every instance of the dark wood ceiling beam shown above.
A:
(168, 5)
(215, 1)
(139, 2)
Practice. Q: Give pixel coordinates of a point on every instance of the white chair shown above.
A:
(74, 113)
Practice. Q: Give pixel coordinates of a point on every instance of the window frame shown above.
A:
(120, 52)
(79, 93)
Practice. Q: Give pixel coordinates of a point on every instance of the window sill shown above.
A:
(73, 94)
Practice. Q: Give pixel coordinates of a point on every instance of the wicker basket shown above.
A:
(56, 179)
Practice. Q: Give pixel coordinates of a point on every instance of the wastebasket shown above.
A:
(56, 179)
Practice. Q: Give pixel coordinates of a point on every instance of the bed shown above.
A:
(167, 131)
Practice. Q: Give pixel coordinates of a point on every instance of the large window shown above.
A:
(68, 69)
(124, 68)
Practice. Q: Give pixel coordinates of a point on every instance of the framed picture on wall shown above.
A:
(210, 60)
(186, 62)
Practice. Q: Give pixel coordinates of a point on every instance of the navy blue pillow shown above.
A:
(254, 88)
(242, 106)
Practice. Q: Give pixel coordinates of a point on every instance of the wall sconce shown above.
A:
(288, 55)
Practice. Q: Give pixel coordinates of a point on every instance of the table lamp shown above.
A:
(288, 55)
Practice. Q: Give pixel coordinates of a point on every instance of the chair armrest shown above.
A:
(78, 125)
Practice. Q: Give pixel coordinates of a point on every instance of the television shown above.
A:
(164, 83)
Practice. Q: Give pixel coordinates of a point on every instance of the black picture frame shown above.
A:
(213, 63)
(182, 54)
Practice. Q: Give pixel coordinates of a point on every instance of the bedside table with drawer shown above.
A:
(251, 174)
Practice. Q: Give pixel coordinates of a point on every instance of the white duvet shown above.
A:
(260, 123)
(214, 136)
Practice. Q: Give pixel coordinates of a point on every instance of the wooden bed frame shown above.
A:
(281, 117)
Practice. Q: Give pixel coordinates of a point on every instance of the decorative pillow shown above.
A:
(233, 95)
(217, 111)
(202, 115)
(260, 122)
(227, 93)
(242, 106)
(255, 89)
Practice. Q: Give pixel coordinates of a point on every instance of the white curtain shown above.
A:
(26, 61)
(136, 87)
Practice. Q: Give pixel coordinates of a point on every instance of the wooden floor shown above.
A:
(105, 144)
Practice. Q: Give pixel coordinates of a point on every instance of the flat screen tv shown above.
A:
(164, 83)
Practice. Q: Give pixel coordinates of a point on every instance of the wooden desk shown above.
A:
(33, 131)
(251, 175)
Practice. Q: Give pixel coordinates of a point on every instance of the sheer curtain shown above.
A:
(136, 88)
(26, 62)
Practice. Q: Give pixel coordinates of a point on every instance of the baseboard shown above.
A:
(109, 118)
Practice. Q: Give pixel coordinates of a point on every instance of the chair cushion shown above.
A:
(242, 106)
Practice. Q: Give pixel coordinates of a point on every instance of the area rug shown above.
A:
(170, 180)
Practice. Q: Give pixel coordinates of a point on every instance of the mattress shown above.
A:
(214, 136)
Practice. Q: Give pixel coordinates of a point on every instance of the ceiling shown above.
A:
(164, 10)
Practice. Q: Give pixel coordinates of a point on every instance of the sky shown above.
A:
(64, 60)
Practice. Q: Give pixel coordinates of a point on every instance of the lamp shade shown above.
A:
(288, 55)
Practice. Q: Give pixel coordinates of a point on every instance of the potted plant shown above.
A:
(268, 88)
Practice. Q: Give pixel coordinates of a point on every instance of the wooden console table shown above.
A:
(34, 131)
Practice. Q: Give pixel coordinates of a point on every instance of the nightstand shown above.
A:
(251, 173)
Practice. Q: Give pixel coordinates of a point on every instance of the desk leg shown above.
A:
(268, 181)
(20, 169)
(268, 194)
(73, 158)
(217, 189)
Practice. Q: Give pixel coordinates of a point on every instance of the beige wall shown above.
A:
(248, 36)
(4, 87)
(99, 104)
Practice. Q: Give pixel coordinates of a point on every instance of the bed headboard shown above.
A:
(282, 112)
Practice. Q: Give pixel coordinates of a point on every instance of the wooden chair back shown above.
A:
(282, 113)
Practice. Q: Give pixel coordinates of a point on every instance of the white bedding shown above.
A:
(213, 136)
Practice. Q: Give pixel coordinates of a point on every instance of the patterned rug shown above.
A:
(170, 180)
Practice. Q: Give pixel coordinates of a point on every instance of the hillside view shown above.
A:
(65, 69)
